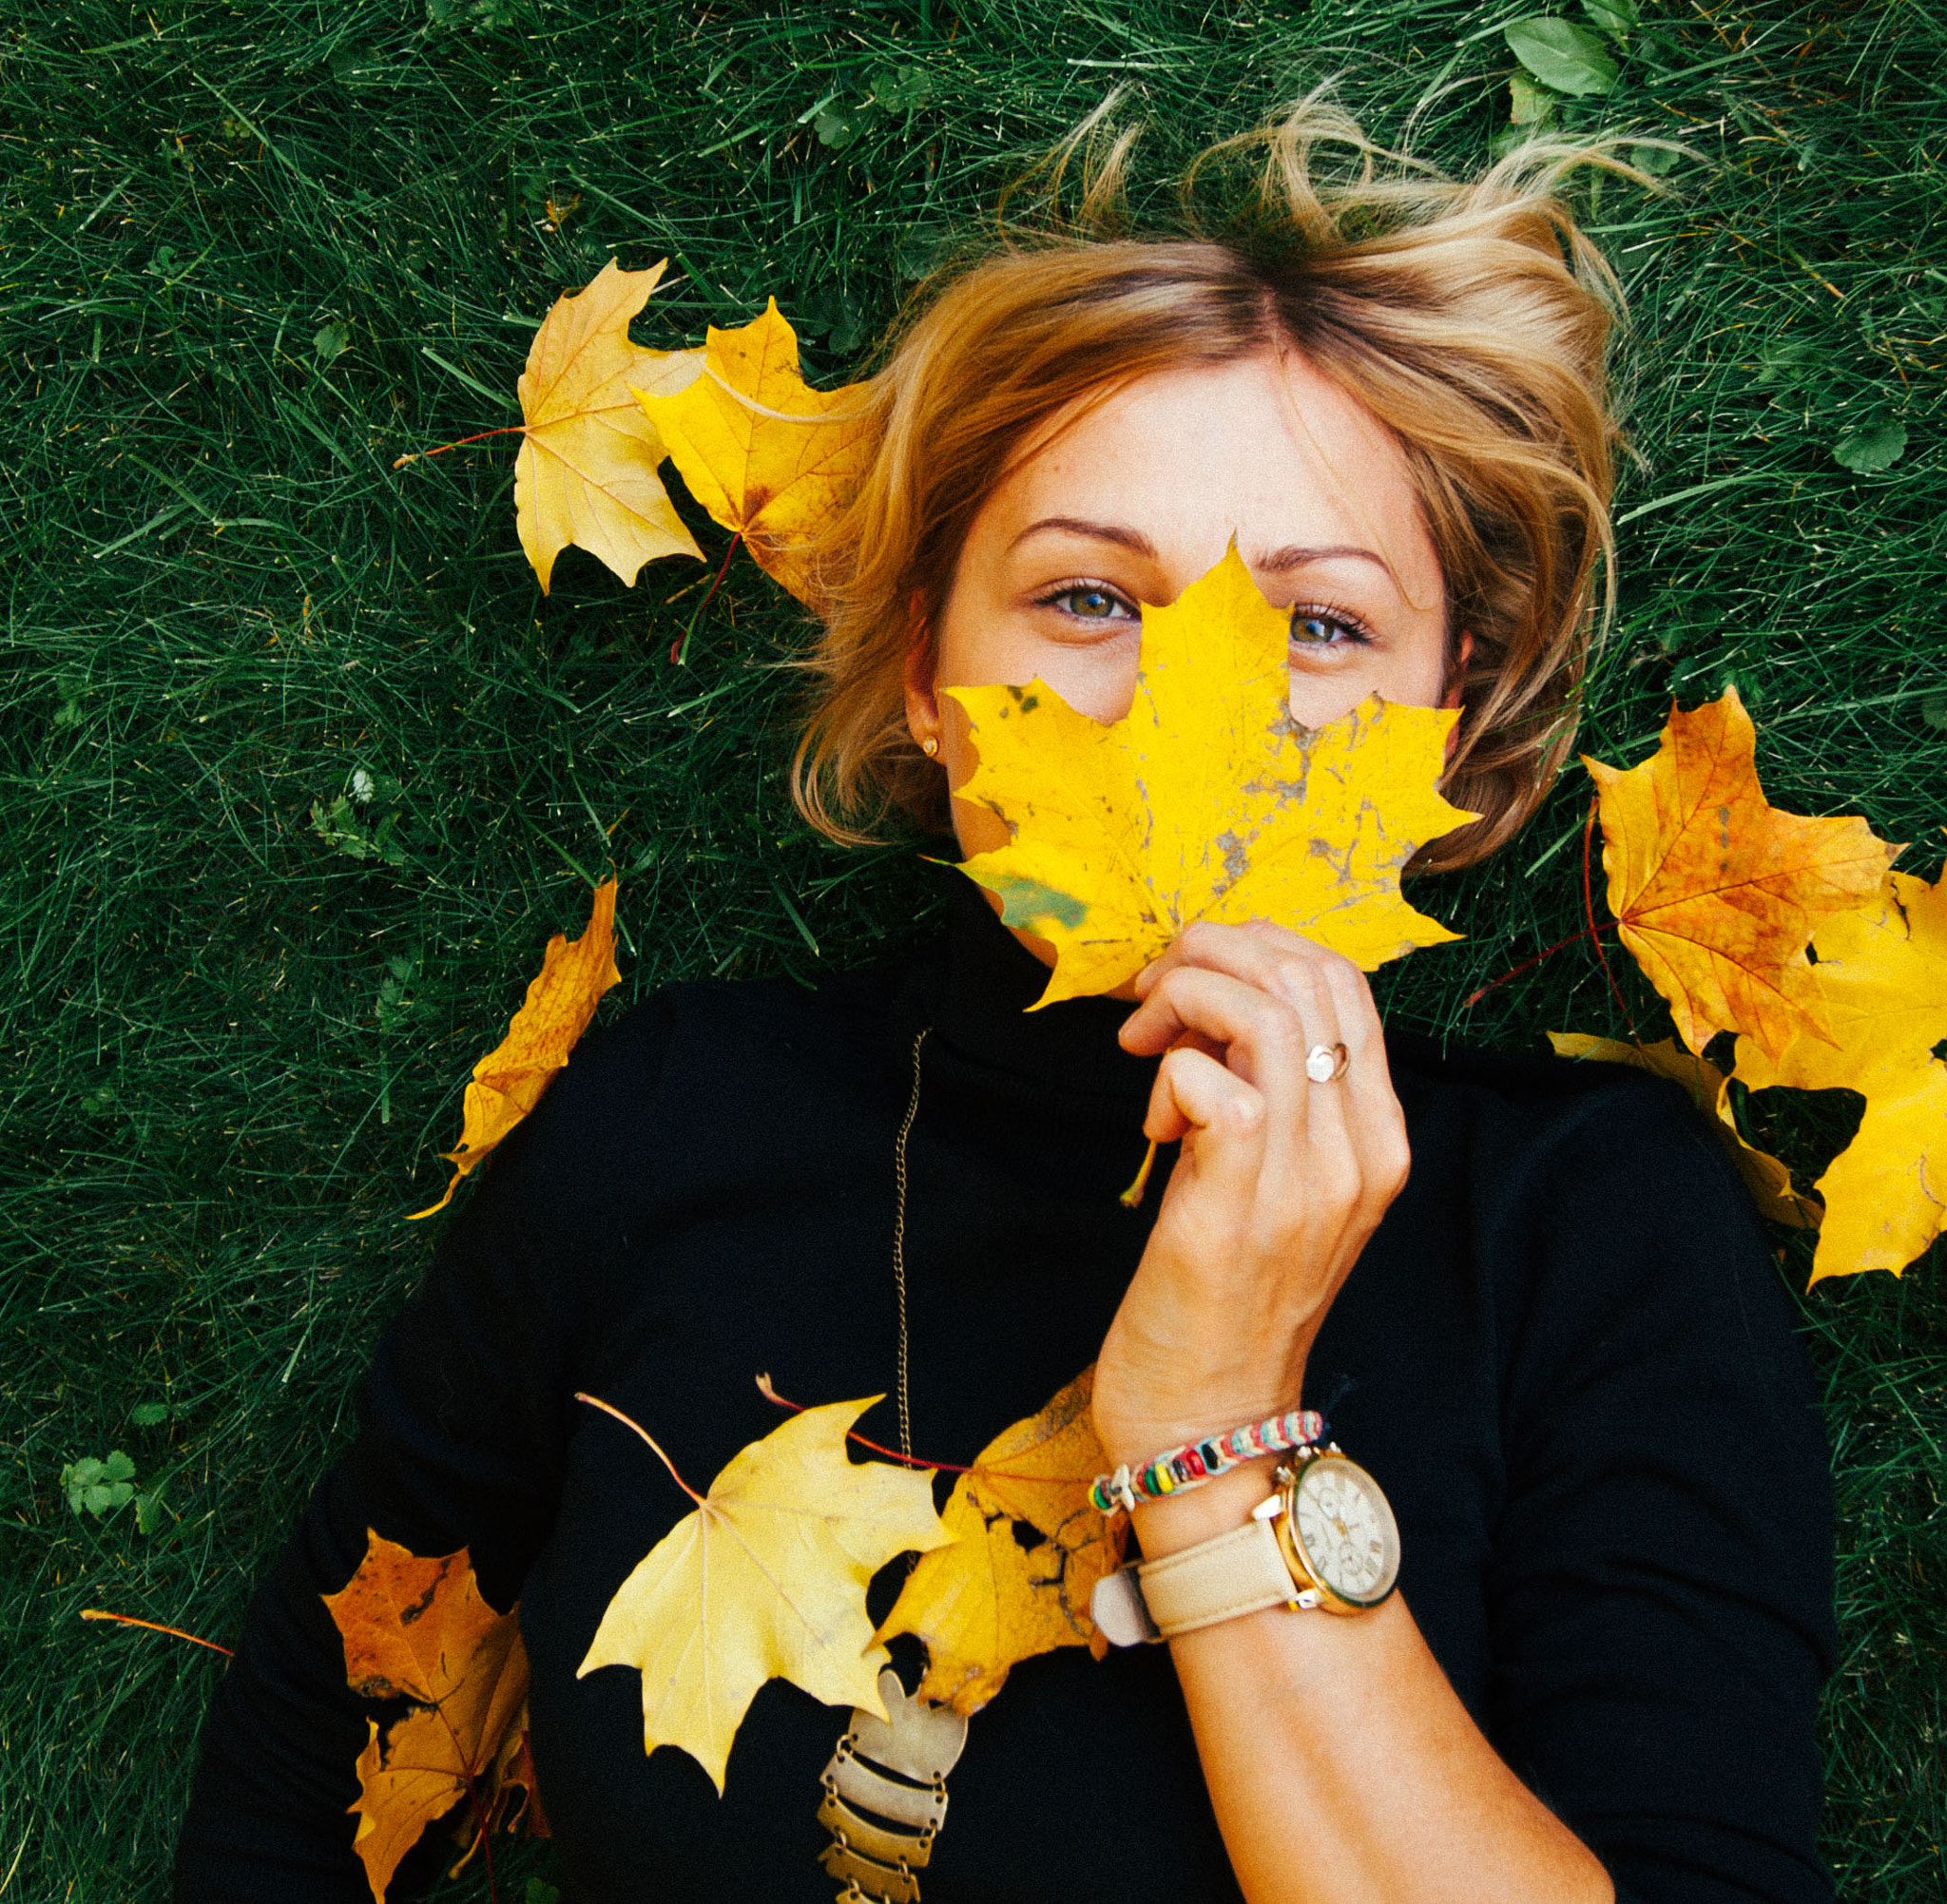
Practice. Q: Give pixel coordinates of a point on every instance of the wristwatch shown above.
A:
(1326, 1539)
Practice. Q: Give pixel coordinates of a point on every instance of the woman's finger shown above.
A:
(1265, 954)
(1370, 1106)
(1269, 957)
(1222, 1119)
(1245, 952)
(1352, 1123)
(1336, 1141)
(1196, 1001)
(1263, 1032)
(1311, 1153)
(1257, 1031)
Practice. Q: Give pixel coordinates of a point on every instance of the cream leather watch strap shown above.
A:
(1240, 1572)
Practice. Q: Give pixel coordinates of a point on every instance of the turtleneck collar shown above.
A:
(978, 995)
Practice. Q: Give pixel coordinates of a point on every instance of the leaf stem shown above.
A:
(151, 1626)
(1595, 934)
(1513, 971)
(679, 651)
(483, 1822)
(769, 1394)
(1592, 932)
(460, 443)
(1140, 1183)
(594, 1402)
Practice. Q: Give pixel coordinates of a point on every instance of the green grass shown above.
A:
(233, 1048)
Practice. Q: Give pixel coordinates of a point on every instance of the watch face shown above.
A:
(1342, 1522)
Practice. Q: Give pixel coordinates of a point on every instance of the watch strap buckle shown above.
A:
(1120, 1613)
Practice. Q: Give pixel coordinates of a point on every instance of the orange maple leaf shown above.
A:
(991, 1599)
(586, 471)
(508, 1081)
(415, 1628)
(767, 455)
(410, 1624)
(1716, 891)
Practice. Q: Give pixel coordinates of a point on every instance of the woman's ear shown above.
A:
(922, 701)
(1456, 689)
(1456, 673)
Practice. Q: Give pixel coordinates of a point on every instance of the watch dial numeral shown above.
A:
(1342, 1530)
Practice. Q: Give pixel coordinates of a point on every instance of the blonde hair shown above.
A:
(1470, 317)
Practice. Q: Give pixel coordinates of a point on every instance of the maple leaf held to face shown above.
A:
(988, 1599)
(587, 469)
(1882, 979)
(508, 1081)
(766, 1580)
(1716, 891)
(415, 1628)
(1208, 801)
(767, 455)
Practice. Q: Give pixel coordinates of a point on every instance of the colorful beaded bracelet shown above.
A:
(1195, 1462)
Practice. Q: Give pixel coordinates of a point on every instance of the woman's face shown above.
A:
(1136, 498)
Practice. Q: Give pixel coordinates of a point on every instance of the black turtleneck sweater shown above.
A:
(1565, 1355)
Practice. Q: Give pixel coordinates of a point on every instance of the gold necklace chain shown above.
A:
(876, 1859)
(899, 1243)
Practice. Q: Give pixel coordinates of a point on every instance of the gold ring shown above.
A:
(1325, 1064)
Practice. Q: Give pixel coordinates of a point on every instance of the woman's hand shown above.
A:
(1279, 1183)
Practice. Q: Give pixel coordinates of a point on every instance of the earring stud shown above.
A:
(929, 746)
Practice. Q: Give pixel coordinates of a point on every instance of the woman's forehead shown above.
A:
(1265, 448)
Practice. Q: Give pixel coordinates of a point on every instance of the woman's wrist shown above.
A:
(1179, 1458)
(1200, 1513)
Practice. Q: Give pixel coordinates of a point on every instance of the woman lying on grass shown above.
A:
(1542, 1314)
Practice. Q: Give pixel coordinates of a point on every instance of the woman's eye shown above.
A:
(1090, 605)
(1321, 629)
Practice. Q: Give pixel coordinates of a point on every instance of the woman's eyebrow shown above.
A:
(1131, 539)
(1296, 555)
(1280, 562)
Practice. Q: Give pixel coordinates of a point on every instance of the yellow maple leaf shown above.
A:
(1765, 1177)
(766, 1580)
(414, 1626)
(986, 1602)
(1882, 982)
(587, 469)
(1208, 801)
(1716, 891)
(561, 1000)
(767, 455)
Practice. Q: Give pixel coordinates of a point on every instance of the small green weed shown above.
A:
(98, 1485)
